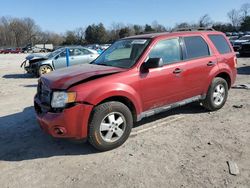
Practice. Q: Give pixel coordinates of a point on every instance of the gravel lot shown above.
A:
(188, 147)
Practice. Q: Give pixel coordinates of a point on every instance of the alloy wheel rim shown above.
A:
(219, 94)
(45, 70)
(112, 127)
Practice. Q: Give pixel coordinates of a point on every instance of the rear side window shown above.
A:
(220, 43)
(196, 47)
(169, 50)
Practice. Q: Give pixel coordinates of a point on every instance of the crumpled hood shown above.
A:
(36, 57)
(64, 78)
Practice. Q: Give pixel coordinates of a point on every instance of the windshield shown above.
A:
(53, 54)
(123, 53)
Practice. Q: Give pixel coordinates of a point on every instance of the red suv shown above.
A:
(136, 77)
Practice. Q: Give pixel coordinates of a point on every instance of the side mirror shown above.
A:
(153, 63)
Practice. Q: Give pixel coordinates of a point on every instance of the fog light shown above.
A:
(59, 131)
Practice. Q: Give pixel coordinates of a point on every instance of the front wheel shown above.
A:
(217, 94)
(44, 69)
(110, 125)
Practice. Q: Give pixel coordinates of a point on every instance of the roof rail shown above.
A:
(193, 29)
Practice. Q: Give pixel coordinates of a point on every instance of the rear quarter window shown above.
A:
(196, 47)
(220, 43)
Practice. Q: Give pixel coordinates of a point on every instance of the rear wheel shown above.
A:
(44, 69)
(217, 94)
(110, 125)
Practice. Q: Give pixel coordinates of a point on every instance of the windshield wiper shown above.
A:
(103, 64)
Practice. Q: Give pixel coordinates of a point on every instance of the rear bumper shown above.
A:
(233, 77)
(70, 123)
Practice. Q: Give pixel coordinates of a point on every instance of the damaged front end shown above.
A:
(30, 63)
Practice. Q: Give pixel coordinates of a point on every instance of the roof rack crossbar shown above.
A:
(193, 29)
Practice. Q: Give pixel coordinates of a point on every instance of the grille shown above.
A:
(44, 94)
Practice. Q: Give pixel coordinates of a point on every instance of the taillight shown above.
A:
(235, 62)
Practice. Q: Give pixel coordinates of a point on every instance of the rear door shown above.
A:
(226, 56)
(200, 63)
(80, 56)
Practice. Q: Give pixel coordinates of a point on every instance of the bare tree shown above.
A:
(183, 25)
(17, 27)
(31, 30)
(115, 30)
(17, 31)
(80, 35)
(234, 17)
(7, 35)
(158, 27)
(55, 39)
(205, 21)
(245, 9)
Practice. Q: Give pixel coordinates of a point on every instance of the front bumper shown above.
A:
(69, 123)
(31, 68)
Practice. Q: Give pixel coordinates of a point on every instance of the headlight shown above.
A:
(61, 98)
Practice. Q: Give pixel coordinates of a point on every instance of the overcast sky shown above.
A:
(62, 15)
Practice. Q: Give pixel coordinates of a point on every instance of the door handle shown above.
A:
(211, 63)
(177, 71)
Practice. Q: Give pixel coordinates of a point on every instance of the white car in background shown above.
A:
(39, 64)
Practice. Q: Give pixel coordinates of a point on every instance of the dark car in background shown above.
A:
(237, 43)
(245, 49)
(232, 39)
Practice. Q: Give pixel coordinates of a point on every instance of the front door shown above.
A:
(164, 85)
(60, 60)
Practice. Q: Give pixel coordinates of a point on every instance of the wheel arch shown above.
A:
(226, 77)
(47, 64)
(122, 99)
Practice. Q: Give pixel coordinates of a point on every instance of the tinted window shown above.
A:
(196, 47)
(169, 50)
(220, 43)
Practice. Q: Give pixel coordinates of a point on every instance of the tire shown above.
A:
(217, 94)
(114, 133)
(44, 69)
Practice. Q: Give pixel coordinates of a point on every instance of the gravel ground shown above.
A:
(191, 151)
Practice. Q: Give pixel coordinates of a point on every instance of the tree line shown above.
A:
(18, 32)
